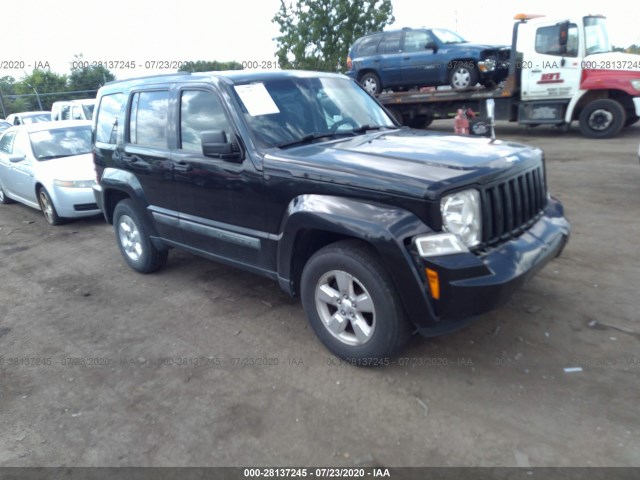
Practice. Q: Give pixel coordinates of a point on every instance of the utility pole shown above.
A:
(4, 112)
(37, 95)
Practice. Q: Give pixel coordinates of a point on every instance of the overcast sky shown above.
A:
(148, 30)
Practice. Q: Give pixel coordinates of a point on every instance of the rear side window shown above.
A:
(199, 111)
(107, 121)
(148, 118)
(368, 46)
(6, 143)
(390, 42)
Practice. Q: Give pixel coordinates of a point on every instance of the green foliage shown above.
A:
(209, 66)
(88, 78)
(317, 34)
(38, 85)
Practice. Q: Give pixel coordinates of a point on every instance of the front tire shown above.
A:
(463, 76)
(602, 119)
(352, 304)
(133, 240)
(48, 208)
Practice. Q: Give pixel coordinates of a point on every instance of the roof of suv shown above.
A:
(229, 76)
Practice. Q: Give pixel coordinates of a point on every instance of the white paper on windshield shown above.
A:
(257, 99)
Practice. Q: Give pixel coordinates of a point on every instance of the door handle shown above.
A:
(182, 167)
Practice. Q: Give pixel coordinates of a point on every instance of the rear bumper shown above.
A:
(471, 285)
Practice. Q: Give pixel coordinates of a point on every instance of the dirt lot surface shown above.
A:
(201, 364)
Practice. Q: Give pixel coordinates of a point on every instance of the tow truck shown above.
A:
(560, 71)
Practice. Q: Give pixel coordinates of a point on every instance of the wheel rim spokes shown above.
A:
(47, 208)
(345, 307)
(130, 238)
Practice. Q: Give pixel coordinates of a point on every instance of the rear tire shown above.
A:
(602, 119)
(133, 240)
(4, 200)
(352, 304)
(371, 83)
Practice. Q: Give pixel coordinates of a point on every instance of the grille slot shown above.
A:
(510, 206)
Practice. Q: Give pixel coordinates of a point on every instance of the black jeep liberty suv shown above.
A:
(304, 178)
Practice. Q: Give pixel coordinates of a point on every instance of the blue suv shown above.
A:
(407, 58)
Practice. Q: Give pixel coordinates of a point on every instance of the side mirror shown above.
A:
(16, 158)
(215, 145)
(431, 46)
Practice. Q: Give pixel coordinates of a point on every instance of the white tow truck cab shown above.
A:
(569, 72)
(560, 70)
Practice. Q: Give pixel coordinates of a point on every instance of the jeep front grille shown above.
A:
(511, 206)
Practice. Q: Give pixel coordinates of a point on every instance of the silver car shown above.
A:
(49, 166)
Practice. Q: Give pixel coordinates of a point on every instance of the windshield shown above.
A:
(287, 110)
(596, 36)
(61, 142)
(447, 36)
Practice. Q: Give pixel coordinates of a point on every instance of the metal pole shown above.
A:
(37, 96)
(4, 112)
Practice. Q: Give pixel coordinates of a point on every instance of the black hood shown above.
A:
(407, 162)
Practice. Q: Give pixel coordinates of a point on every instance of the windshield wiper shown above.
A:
(310, 138)
(367, 127)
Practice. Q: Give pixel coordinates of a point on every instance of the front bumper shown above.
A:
(74, 202)
(472, 284)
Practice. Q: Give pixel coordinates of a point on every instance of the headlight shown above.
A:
(636, 84)
(74, 183)
(461, 216)
(489, 65)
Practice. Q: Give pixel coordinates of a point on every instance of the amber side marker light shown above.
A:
(434, 283)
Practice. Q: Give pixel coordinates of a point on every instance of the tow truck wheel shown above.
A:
(421, 121)
(602, 119)
(463, 76)
(371, 83)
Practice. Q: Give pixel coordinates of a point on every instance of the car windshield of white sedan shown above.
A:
(288, 111)
(61, 142)
(447, 36)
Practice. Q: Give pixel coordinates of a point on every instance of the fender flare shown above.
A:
(385, 228)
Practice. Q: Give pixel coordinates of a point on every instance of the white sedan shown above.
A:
(49, 166)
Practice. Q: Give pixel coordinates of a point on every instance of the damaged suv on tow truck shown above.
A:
(304, 178)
